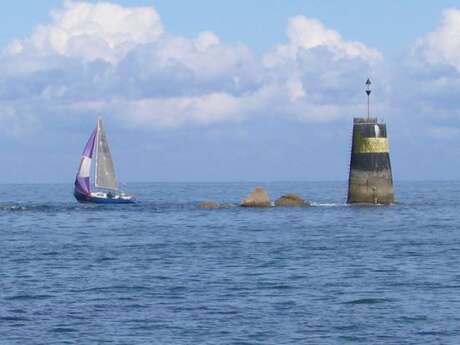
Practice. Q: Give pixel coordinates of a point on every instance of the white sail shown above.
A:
(105, 171)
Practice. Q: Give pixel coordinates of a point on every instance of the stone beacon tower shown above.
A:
(370, 179)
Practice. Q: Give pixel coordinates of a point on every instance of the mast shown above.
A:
(368, 92)
(96, 147)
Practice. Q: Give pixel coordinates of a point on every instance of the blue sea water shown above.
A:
(164, 271)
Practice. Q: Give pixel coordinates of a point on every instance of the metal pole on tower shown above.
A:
(368, 92)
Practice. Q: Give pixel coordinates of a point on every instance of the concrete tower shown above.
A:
(370, 179)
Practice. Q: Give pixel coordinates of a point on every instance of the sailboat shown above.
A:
(105, 189)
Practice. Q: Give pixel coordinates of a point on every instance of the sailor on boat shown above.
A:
(105, 190)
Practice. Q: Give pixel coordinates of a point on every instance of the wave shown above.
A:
(19, 207)
(24, 207)
(316, 204)
(369, 301)
(27, 297)
(147, 206)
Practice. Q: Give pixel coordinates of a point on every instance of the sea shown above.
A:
(163, 271)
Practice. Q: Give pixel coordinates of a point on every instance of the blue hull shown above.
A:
(95, 200)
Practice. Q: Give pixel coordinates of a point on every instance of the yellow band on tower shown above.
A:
(371, 145)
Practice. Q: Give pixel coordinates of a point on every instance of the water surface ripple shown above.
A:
(166, 272)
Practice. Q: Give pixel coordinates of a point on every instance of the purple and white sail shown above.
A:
(96, 181)
(82, 181)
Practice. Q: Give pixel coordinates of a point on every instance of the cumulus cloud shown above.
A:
(321, 72)
(120, 61)
(93, 31)
(442, 46)
(430, 77)
(306, 33)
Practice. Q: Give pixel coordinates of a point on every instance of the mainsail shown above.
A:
(82, 183)
(105, 171)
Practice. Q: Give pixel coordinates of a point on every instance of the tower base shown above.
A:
(370, 179)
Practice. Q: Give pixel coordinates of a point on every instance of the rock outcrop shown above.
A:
(258, 198)
(291, 200)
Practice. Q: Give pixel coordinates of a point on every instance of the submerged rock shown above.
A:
(209, 205)
(258, 198)
(291, 200)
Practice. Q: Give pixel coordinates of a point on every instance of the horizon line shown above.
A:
(227, 181)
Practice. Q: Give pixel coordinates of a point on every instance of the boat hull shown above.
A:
(82, 198)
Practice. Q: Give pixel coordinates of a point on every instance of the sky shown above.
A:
(227, 90)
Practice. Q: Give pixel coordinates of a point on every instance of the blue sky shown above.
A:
(227, 90)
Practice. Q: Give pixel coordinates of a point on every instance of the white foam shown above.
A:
(315, 204)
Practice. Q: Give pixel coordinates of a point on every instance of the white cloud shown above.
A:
(442, 46)
(171, 112)
(96, 31)
(14, 48)
(321, 72)
(121, 62)
(206, 40)
(203, 58)
(430, 78)
(296, 90)
(307, 33)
